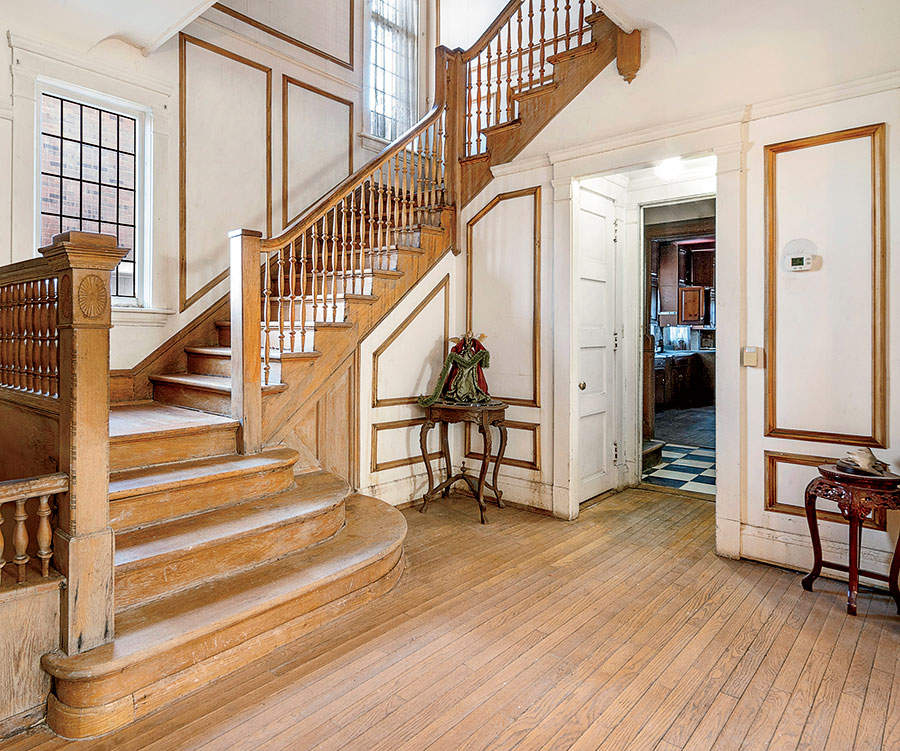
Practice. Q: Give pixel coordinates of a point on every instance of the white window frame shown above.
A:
(143, 192)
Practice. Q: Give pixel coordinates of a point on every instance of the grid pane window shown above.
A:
(392, 85)
(88, 177)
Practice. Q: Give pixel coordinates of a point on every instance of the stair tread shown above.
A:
(208, 383)
(144, 418)
(211, 351)
(373, 531)
(317, 493)
(160, 477)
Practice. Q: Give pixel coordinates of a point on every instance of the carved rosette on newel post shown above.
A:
(83, 546)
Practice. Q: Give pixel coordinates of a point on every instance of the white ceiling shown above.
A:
(145, 24)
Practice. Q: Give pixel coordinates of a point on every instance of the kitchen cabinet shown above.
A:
(692, 305)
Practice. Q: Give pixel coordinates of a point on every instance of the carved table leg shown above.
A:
(445, 450)
(500, 452)
(423, 444)
(813, 522)
(853, 578)
(895, 572)
(485, 431)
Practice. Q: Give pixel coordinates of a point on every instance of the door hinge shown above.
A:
(615, 230)
(615, 452)
(615, 341)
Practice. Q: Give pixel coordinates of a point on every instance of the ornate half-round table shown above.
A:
(857, 496)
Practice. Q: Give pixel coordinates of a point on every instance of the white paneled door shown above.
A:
(594, 371)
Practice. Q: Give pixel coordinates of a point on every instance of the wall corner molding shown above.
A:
(20, 43)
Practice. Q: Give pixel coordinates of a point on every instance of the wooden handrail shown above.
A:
(31, 487)
(32, 270)
(354, 181)
(488, 36)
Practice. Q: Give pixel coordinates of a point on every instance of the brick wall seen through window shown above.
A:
(88, 174)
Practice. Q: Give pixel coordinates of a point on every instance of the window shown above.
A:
(89, 178)
(392, 67)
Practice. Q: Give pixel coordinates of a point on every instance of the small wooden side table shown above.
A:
(483, 416)
(857, 496)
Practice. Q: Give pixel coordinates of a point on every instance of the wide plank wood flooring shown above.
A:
(620, 631)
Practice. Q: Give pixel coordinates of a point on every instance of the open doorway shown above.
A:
(679, 346)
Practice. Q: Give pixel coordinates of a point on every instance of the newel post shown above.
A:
(83, 545)
(246, 350)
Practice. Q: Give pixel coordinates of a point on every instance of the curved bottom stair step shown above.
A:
(156, 561)
(171, 646)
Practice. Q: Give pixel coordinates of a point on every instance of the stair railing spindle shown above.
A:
(530, 43)
(543, 42)
(580, 22)
(20, 540)
(555, 26)
(292, 292)
(568, 24)
(334, 261)
(44, 535)
(279, 269)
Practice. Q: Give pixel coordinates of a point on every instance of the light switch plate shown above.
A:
(751, 357)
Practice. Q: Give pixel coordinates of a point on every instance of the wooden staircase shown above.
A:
(219, 558)
(227, 545)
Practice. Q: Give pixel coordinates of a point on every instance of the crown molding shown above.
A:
(21, 43)
(828, 95)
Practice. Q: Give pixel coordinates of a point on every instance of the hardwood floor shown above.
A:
(620, 631)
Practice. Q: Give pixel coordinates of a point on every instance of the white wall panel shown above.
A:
(226, 152)
(824, 316)
(503, 270)
(319, 140)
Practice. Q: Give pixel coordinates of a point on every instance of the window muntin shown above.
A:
(392, 67)
(88, 178)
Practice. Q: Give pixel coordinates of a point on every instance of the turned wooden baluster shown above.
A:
(267, 294)
(20, 540)
(279, 269)
(489, 94)
(478, 126)
(314, 273)
(44, 535)
(469, 109)
(555, 26)
(499, 76)
(54, 345)
(4, 336)
(292, 289)
(520, 49)
(580, 22)
(568, 24)
(27, 339)
(543, 42)
(509, 53)
(384, 235)
(530, 43)
(304, 250)
(20, 339)
(344, 246)
(2, 559)
(334, 262)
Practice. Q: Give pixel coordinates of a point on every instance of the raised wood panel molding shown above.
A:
(286, 82)
(534, 428)
(878, 435)
(535, 193)
(348, 63)
(377, 427)
(772, 503)
(183, 41)
(442, 286)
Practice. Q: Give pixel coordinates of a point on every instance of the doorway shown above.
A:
(679, 346)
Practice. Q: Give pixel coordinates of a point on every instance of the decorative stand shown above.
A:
(482, 415)
(857, 496)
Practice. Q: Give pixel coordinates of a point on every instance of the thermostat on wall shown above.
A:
(798, 255)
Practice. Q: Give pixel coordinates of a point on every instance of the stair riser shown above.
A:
(197, 662)
(164, 505)
(149, 449)
(181, 395)
(149, 579)
(217, 365)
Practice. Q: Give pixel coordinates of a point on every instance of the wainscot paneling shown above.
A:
(316, 145)
(322, 29)
(523, 448)
(225, 166)
(400, 447)
(828, 189)
(787, 476)
(503, 292)
(409, 360)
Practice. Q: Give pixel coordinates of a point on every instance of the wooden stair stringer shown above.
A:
(572, 72)
(305, 379)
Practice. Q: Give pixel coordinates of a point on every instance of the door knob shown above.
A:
(582, 385)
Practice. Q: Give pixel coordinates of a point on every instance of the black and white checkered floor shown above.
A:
(685, 468)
